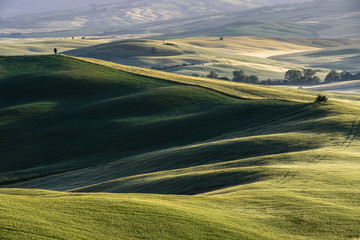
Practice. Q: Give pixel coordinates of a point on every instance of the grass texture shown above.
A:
(130, 153)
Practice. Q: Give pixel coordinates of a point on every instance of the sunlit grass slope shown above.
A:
(244, 161)
(200, 55)
(249, 46)
(33, 46)
(264, 28)
(346, 58)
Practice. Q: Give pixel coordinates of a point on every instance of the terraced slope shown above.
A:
(245, 161)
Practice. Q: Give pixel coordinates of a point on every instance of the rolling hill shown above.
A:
(42, 46)
(92, 14)
(201, 55)
(179, 157)
(267, 58)
(345, 58)
(174, 20)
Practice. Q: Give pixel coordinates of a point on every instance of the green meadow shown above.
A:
(91, 149)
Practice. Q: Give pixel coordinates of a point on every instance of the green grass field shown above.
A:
(131, 153)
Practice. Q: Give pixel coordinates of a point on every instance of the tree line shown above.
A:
(238, 76)
(298, 77)
(307, 76)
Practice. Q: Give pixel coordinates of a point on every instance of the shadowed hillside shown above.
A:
(242, 161)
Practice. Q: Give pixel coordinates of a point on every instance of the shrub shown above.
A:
(320, 99)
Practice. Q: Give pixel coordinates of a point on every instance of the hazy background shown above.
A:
(179, 19)
(9, 8)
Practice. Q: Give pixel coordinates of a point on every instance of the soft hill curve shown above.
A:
(179, 157)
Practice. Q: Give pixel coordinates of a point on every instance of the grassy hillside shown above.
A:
(43, 46)
(245, 161)
(201, 55)
(71, 98)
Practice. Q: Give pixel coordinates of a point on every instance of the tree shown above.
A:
(253, 79)
(293, 76)
(308, 74)
(55, 50)
(346, 76)
(224, 78)
(332, 76)
(212, 74)
(239, 76)
(267, 82)
(356, 76)
(315, 80)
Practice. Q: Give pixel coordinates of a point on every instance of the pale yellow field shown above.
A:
(248, 46)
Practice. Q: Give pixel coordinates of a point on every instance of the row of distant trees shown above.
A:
(304, 77)
(334, 76)
(238, 76)
(307, 76)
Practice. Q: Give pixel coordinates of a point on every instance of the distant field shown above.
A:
(201, 55)
(258, 28)
(42, 46)
(342, 58)
(248, 46)
(268, 58)
(180, 157)
(347, 87)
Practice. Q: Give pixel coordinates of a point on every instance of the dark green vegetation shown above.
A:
(334, 76)
(59, 113)
(240, 76)
(245, 161)
(307, 76)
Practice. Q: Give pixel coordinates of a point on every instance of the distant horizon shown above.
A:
(14, 8)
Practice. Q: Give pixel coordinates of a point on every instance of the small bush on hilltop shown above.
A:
(321, 99)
